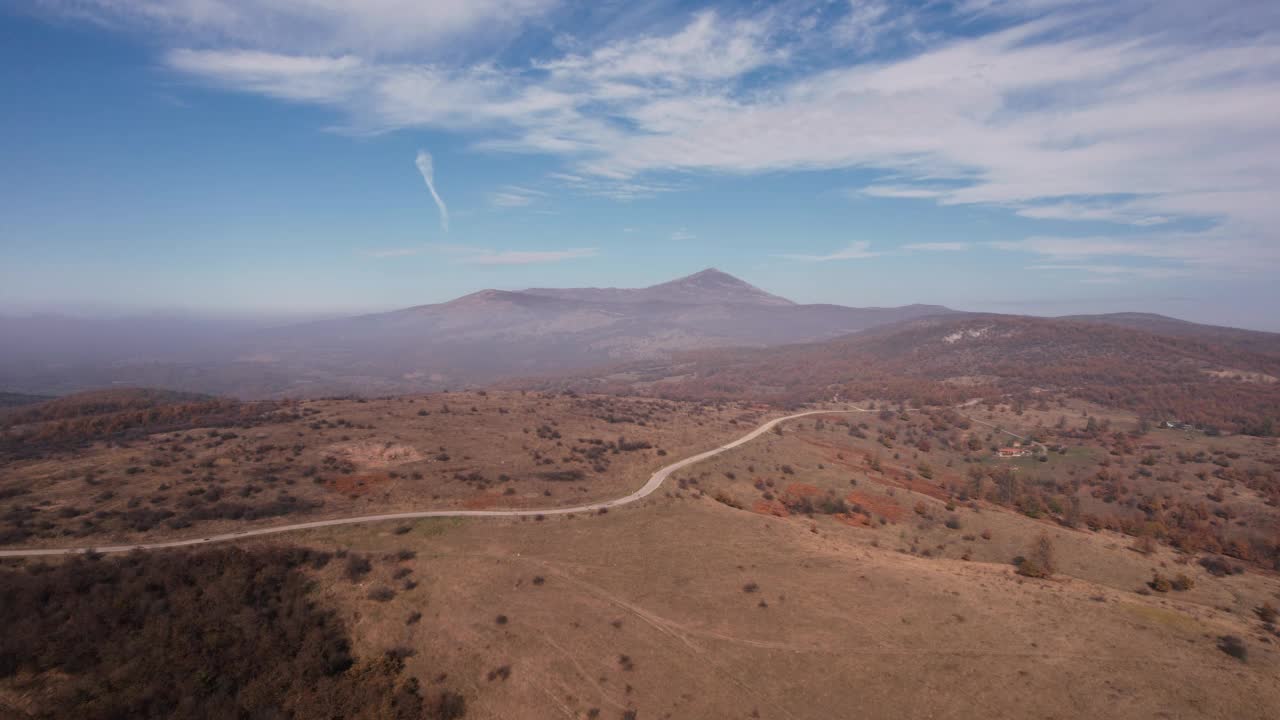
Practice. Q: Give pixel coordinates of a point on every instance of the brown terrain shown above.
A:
(985, 532)
(267, 463)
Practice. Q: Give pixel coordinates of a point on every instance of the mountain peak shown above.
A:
(713, 286)
(705, 287)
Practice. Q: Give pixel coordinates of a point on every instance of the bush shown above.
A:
(1040, 561)
(1267, 613)
(1233, 646)
(357, 567)
(1160, 583)
(1219, 566)
(381, 593)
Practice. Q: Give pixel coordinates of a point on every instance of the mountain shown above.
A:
(954, 357)
(708, 287)
(478, 338)
(496, 334)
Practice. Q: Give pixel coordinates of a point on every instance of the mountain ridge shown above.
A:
(705, 287)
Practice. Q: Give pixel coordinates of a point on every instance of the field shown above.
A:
(336, 458)
(877, 564)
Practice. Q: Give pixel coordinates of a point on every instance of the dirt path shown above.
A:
(655, 481)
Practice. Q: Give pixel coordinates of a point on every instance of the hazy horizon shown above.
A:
(1045, 157)
(1175, 307)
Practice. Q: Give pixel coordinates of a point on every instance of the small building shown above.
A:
(1012, 452)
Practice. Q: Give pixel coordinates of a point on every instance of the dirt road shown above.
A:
(655, 482)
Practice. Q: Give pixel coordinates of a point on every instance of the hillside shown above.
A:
(952, 358)
(1253, 340)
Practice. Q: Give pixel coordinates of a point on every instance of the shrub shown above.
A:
(1233, 646)
(1182, 582)
(1219, 566)
(1160, 583)
(953, 522)
(1267, 613)
(450, 706)
(357, 567)
(750, 587)
(381, 593)
(1040, 562)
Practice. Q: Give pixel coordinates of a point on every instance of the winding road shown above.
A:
(655, 482)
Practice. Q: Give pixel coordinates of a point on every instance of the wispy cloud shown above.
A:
(683, 235)
(485, 256)
(1111, 274)
(937, 246)
(854, 251)
(514, 196)
(527, 257)
(427, 168)
(395, 252)
(373, 27)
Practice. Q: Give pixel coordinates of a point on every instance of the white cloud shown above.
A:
(371, 27)
(898, 191)
(854, 251)
(1213, 249)
(1109, 274)
(395, 252)
(427, 167)
(937, 246)
(524, 257)
(683, 235)
(514, 196)
(1128, 111)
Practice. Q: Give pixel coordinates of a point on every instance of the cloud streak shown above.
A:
(427, 168)
(527, 257)
(937, 246)
(854, 251)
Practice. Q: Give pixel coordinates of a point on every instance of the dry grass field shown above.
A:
(687, 608)
(336, 458)
(849, 564)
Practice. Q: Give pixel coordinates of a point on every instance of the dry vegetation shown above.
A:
(216, 633)
(129, 465)
(1086, 468)
(883, 563)
(685, 607)
(1211, 383)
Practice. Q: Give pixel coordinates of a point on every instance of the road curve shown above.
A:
(655, 481)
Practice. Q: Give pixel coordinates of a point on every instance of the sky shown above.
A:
(316, 157)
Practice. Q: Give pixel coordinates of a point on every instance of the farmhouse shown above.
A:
(1011, 452)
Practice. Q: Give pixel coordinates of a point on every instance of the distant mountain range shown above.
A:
(690, 334)
(478, 338)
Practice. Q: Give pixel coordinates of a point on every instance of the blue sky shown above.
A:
(1008, 155)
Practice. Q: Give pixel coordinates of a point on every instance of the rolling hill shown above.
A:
(952, 358)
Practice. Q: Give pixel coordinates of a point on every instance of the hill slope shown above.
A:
(952, 358)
